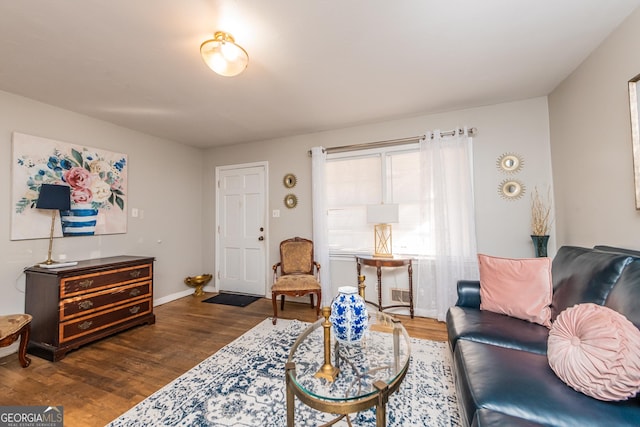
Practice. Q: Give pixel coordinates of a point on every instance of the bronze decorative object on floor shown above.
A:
(198, 282)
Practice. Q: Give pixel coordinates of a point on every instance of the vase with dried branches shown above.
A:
(540, 221)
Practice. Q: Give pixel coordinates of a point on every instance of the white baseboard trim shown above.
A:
(210, 288)
(172, 297)
(181, 294)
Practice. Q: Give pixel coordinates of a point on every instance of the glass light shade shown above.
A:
(223, 55)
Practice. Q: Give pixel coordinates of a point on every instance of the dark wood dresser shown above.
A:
(73, 306)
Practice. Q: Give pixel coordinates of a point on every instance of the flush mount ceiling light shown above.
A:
(223, 55)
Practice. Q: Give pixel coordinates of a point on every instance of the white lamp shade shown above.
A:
(382, 213)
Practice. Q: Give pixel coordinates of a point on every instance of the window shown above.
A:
(360, 178)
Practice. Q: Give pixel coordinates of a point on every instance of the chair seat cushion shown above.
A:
(295, 282)
(12, 323)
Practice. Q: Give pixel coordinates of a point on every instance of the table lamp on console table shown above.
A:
(55, 198)
(382, 215)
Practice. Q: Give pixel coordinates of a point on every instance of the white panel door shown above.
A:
(241, 222)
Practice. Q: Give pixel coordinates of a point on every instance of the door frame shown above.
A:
(267, 266)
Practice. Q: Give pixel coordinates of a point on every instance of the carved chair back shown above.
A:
(296, 256)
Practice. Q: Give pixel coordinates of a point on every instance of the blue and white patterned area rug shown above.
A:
(243, 385)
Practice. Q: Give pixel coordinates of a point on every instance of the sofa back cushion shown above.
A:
(623, 251)
(582, 275)
(625, 296)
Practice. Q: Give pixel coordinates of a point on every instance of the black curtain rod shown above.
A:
(392, 142)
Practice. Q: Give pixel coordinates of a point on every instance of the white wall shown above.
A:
(503, 227)
(165, 181)
(591, 145)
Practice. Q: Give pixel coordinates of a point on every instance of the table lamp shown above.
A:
(382, 216)
(55, 198)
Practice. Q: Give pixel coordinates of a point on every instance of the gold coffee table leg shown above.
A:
(381, 405)
(290, 397)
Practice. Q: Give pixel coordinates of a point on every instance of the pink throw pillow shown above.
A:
(596, 351)
(520, 288)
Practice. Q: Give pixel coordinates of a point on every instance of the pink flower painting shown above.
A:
(98, 181)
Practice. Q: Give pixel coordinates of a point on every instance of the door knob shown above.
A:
(261, 238)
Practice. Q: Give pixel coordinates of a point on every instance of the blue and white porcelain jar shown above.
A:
(349, 317)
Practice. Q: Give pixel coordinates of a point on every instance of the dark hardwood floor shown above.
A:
(100, 381)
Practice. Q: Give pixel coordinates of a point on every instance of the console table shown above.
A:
(72, 306)
(379, 264)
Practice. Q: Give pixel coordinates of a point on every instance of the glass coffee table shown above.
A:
(367, 372)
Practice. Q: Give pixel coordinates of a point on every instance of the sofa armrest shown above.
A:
(468, 293)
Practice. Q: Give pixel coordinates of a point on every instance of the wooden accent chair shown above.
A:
(16, 326)
(297, 277)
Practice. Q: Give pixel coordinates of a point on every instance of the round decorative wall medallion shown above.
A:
(290, 201)
(511, 189)
(289, 180)
(510, 163)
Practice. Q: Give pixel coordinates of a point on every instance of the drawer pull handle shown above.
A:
(85, 305)
(135, 292)
(85, 283)
(85, 325)
(134, 310)
(135, 274)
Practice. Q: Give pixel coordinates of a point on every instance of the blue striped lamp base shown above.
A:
(79, 222)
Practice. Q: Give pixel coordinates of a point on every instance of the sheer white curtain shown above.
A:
(447, 217)
(320, 229)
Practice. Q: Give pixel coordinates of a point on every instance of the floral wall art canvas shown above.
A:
(98, 181)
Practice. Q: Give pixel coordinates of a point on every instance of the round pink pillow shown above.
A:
(596, 351)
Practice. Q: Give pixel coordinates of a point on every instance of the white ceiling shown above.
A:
(313, 64)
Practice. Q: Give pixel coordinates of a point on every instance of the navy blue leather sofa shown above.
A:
(502, 374)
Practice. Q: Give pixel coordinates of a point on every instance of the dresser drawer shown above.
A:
(78, 285)
(95, 301)
(89, 324)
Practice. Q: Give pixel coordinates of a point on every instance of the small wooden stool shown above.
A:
(12, 327)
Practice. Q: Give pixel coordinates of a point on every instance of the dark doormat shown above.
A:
(232, 299)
